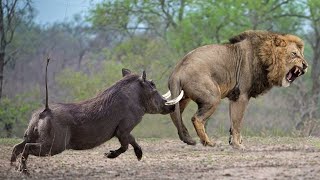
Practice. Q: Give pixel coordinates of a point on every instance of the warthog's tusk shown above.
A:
(176, 100)
(167, 95)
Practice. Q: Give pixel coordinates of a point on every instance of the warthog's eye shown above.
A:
(152, 84)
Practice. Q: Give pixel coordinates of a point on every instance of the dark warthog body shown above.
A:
(84, 125)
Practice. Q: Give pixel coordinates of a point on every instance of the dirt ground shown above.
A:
(264, 158)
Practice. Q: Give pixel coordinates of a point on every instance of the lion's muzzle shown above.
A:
(295, 72)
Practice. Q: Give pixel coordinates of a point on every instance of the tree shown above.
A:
(11, 14)
(309, 100)
(126, 18)
(314, 40)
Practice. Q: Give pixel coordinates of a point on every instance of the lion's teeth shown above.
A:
(289, 76)
(295, 71)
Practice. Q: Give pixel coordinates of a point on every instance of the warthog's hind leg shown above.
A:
(17, 150)
(29, 148)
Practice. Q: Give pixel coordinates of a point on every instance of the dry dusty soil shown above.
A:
(264, 158)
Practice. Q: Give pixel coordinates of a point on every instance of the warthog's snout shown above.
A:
(170, 104)
(167, 108)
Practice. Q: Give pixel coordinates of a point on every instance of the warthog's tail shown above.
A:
(47, 110)
(175, 89)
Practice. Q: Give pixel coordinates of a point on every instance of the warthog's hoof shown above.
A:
(24, 170)
(111, 154)
(13, 159)
(138, 153)
(12, 163)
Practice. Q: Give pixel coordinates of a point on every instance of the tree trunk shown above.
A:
(308, 123)
(315, 75)
(81, 54)
(8, 127)
(1, 71)
(2, 48)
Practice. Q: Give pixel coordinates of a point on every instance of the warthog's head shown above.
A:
(150, 98)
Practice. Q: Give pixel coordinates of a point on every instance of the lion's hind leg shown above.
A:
(207, 96)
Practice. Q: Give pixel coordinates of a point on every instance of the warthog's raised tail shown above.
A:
(46, 110)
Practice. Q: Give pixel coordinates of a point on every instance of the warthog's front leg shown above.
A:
(125, 138)
(137, 149)
(237, 109)
(115, 153)
(124, 141)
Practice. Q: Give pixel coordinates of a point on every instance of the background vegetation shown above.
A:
(89, 52)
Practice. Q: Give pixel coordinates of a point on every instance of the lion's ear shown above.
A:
(280, 42)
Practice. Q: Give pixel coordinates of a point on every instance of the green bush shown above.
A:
(15, 113)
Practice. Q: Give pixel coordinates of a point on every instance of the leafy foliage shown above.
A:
(15, 113)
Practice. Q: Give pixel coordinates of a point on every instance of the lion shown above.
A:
(249, 65)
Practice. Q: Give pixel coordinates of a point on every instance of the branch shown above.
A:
(292, 15)
(181, 10)
(10, 56)
(277, 6)
(311, 42)
(169, 17)
(10, 15)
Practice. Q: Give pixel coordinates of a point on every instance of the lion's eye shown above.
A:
(293, 54)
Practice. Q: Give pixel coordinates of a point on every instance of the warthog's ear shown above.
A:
(144, 76)
(278, 41)
(125, 72)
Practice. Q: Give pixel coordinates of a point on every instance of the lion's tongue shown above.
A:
(289, 76)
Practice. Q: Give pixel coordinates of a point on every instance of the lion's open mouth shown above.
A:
(294, 73)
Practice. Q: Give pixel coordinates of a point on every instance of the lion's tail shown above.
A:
(175, 89)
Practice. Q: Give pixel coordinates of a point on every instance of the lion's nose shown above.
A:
(304, 65)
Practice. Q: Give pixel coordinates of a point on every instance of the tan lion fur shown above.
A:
(270, 50)
(209, 73)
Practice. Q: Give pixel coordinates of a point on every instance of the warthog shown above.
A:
(87, 124)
